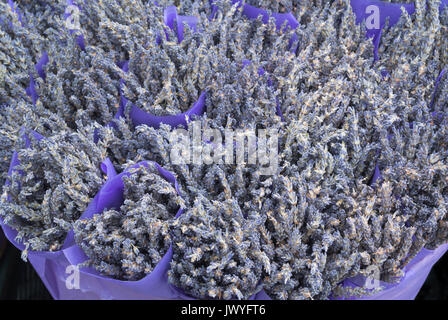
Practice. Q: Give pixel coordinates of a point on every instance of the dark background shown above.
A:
(19, 281)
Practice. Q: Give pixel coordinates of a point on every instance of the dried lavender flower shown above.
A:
(216, 252)
(81, 86)
(51, 187)
(127, 244)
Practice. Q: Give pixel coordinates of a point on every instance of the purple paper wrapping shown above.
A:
(153, 286)
(138, 116)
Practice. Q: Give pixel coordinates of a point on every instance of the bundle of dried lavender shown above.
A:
(414, 158)
(163, 79)
(12, 119)
(118, 27)
(17, 55)
(81, 86)
(308, 206)
(128, 244)
(43, 18)
(216, 251)
(414, 52)
(25, 34)
(239, 94)
(167, 78)
(51, 187)
(332, 70)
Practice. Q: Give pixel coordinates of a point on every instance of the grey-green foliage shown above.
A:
(13, 118)
(239, 96)
(309, 204)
